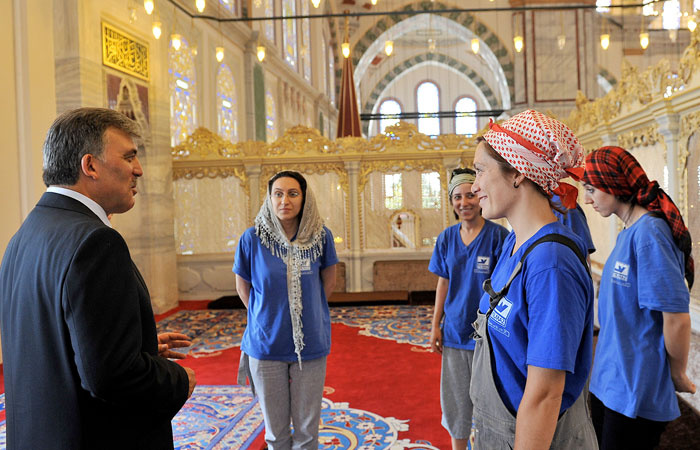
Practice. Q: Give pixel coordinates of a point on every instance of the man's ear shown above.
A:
(87, 165)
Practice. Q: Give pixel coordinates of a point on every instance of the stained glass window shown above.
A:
(306, 41)
(229, 5)
(270, 117)
(289, 32)
(331, 75)
(430, 190)
(227, 110)
(388, 107)
(465, 124)
(182, 84)
(428, 101)
(269, 25)
(324, 63)
(393, 191)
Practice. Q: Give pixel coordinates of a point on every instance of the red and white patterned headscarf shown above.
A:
(541, 148)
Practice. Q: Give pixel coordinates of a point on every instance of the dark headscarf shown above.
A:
(615, 171)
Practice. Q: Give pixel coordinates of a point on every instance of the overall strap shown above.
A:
(554, 237)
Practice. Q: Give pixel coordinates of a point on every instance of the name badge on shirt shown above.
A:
(499, 317)
(621, 273)
(483, 264)
(305, 266)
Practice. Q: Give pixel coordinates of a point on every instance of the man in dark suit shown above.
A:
(84, 368)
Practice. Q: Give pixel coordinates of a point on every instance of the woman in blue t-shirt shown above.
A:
(285, 271)
(464, 256)
(643, 305)
(534, 329)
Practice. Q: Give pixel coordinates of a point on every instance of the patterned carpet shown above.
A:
(213, 331)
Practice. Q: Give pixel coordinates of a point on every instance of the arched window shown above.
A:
(388, 106)
(331, 75)
(270, 117)
(465, 124)
(306, 41)
(182, 85)
(289, 32)
(428, 101)
(227, 109)
(230, 5)
(324, 64)
(269, 24)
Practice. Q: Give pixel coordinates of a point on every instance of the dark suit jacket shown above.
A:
(79, 341)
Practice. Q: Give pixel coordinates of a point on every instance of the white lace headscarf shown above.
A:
(308, 244)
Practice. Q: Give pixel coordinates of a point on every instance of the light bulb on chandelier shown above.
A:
(261, 53)
(388, 47)
(518, 43)
(156, 28)
(346, 49)
(176, 41)
(219, 54)
(475, 45)
(316, 3)
(148, 5)
(644, 40)
(200, 4)
(605, 41)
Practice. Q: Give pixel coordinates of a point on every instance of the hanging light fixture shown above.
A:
(692, 24)
(389, 47)
(605, 41)
(261, 53)
(561, 39)
(475, 45)
(518, 43)
(200, 4)
(219, 54)
(374, 2)
(176, 41)
(345, 46)
(156, 28)
(148, 5)
(644, 40)
(316, 3)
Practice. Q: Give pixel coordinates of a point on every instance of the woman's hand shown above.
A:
(436, 339)
(683, 384)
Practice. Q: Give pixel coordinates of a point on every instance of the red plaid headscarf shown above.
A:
(541, 148)
(615, 171)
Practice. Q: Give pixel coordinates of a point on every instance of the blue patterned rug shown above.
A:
(213, 331)
(218, 417)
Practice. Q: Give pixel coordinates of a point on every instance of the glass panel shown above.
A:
(467, 124)
(270, 117)
(289, 32)
(393, 195)
(226, 104)
(331, 75)
(182, 85)
(428, 101)
(430, 190)
(306, 41)
(269, 25)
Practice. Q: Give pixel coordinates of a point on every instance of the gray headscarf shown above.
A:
(307, 245)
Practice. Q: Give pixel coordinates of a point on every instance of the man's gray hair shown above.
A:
(75, 134)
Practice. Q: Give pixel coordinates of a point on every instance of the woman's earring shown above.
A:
(515, 185)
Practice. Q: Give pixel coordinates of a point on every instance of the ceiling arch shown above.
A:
(459, 24)
(415, 62)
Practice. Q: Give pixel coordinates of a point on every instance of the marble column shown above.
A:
(249, 61)
(253, 172)
(354, 269)
(669, 128)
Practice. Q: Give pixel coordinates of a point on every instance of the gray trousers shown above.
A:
(289, 394)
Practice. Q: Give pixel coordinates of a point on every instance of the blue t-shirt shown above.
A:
(576, 220)
(642, 278)
(268, 334)
(466, 267)
(545, 320)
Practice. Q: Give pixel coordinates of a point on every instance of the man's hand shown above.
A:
(191, 378)
(166, 341)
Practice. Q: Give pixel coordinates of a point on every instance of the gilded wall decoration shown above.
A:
(641, 137)
(124, 52)
(690, 124)
(205, 144)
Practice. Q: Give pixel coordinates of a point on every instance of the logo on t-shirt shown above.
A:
(499, 317)
(483, 264)
(621, 271)
(305, 266)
